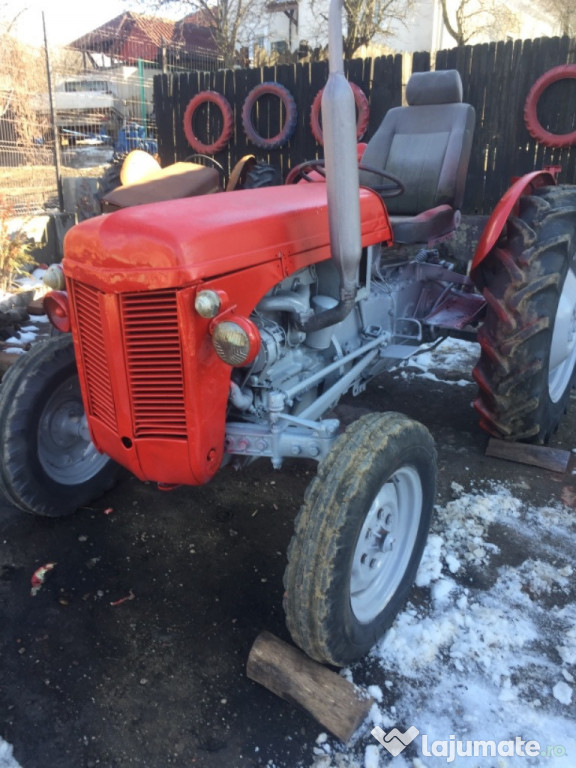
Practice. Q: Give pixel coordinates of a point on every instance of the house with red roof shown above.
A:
(133, 37)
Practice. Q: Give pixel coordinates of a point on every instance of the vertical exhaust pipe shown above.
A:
(341, 159)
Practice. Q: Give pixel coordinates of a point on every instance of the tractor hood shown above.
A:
(180, 242)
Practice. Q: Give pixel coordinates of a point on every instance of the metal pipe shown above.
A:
(57, 159)
(239, 399)
(340, 154)
(295, 302)
(320, 375)
(142, 96)
(332, 395)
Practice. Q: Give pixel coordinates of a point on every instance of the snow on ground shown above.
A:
(30, 283)
(6, 757)
(452, 355)
(490, 651)
(36, 326)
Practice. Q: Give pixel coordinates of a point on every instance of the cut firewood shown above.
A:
(335, 702)
(543, 456)
(36, 307)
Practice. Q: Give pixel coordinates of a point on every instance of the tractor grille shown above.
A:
(154, 363)
(149, 325)
(88, 312)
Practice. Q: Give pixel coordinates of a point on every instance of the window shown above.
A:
(279, 46)
(75, 86)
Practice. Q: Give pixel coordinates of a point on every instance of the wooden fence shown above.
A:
(496, 77)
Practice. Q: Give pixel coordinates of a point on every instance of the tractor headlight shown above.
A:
(207, 304)
(57, 308)
(236, 340)
(54, 277)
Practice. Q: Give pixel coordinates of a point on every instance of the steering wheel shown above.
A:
(385, 190)
(304, 170)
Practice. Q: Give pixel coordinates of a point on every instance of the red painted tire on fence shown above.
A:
(211, 97)
(563, 72)
(361, 105)
(270, 89)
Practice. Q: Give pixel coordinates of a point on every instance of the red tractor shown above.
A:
(205, 334)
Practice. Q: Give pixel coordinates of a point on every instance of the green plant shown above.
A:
(14, 247)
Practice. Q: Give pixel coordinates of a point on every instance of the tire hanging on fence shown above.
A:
(361, 121)
(285, 134)
(535, 129)
(209, 97)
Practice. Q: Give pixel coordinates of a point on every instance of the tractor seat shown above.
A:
(427, 145)
(158, 184)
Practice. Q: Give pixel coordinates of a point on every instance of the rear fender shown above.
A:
(507, 206)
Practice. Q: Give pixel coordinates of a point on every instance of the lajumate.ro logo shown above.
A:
(395, 742)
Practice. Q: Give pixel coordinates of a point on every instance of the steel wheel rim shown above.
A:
(563, 347)
(385, 543)
(65, 450)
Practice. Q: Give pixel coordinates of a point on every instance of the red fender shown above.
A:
(535, 129)
(212, 97)
(506, 207)
(361, 105)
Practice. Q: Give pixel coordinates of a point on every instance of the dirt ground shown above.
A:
(90, 679)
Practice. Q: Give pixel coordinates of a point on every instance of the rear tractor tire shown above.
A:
(48, 463)
(262, 175)
(359, 537)
(527, 364)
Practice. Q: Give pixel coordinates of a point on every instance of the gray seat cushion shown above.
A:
(426, 226)
(427, 146)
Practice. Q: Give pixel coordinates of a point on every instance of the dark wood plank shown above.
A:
(164, 119)
(280, 158)
(386, 90)
(318, 77)
(496, 80)
(553, 459)
(421, 61)
(186, 86)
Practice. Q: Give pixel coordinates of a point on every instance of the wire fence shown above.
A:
(98, 100)
(27, 171)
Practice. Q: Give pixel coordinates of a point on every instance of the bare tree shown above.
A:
(366, 21)
(563, 12)
(22, 78)
(228, 20)
(9, 17)
(475, 17)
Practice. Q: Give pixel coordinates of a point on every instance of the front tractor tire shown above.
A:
(527, 363)
(48, 463)
(359, 537)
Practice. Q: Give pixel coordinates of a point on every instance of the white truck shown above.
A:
(91, 108)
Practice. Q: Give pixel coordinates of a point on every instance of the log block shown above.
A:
(36, 307)
(336, 703)
(543, 456)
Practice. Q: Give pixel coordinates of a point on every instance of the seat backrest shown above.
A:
(426, 144)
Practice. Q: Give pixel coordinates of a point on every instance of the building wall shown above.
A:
(424, 29)
(421, 31)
